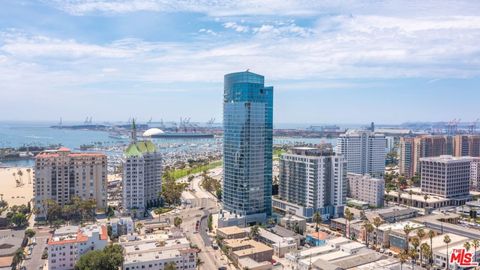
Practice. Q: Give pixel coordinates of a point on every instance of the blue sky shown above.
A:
(355, 62)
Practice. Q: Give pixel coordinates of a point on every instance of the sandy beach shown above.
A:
(8, 186)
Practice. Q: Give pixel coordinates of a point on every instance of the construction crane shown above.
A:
(472, 128)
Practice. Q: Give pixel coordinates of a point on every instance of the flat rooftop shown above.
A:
(231, 230)
(249, 246)
(399, 226)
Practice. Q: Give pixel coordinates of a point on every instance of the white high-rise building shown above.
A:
(364, 151)
(61, 175)
(142, 175)
(366, 188)
(446, 176)
(314, 179)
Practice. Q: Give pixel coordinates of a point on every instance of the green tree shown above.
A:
(403, 258)
(177, 221)
(29, 233)
(425, 198)
(368, 229)
(475, 245)
(317, 218)
(210, 223)
(139, 227)
(431, 234)
(447, 240)
(413, 255)
(424, 250)
(110, 258)
(172, 191)
(407, 230)
(170, 266)
(18, 257)
(349, 217)
(19, 220)
(254, 232)
(377, 221)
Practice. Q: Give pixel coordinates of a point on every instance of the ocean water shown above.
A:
(17, 134)
(40, 134)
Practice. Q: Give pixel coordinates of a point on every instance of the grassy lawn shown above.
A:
(163, 210)
(179, 173)
(277, 152)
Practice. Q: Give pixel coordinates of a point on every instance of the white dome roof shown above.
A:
(152, 131)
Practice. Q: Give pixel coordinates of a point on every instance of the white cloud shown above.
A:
(335, 47)
(236, 27)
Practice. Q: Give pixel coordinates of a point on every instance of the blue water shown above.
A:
(40, 134)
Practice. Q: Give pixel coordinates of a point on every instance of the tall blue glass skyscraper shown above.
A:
(247, 147)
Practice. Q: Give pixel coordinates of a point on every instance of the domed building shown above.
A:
(152, 132)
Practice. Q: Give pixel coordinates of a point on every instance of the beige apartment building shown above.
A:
(62, 174)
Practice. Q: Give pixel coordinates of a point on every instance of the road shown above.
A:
(206, 204)
(35, 261)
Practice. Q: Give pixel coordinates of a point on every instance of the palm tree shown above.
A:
(467, 246)
(413, 254)
(139, 227)
(170, 266)
(18, 257)
(387, 198)
(349, 217)
(431, 234)
(377, 221)
(199, 262)
(424, 249)
(415, 242)
(426, 197)
(29, 175)
(368, 229)
(475, 244)
(421, 233)
(317, 218)
(403, 259)
(407, 230)
(447, 240)
(410, 192)
(399, 193)
(254, 232)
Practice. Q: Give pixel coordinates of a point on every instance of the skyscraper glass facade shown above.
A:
(247, 149)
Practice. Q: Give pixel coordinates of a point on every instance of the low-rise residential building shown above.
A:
(68, 243)
(122, 226)
(317, 238)
(10, 241)
(154, 251)
(395, 233)
(232, 232)
(366, 188)
(340, 224)
(247, 263)
(294, 223)
(395, 214)
(281, 245)
(248, 248)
